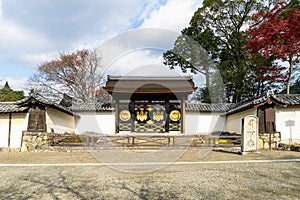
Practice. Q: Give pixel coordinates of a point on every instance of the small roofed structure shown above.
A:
(33, 114)
(149, 104)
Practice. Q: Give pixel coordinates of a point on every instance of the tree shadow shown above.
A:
(34, 185)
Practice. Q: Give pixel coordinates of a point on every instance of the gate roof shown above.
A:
(156, 85)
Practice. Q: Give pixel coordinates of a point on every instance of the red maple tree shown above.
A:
(277, 34)
(77, 74)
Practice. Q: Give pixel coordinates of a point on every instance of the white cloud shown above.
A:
(128, 63)
(134, 40)
(35, 31)
(174, 15)
(0, 8)
(35, 59)
(17, 41)
(146, 62)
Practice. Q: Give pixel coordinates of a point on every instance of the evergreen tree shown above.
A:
(9, 95)
(219, 27)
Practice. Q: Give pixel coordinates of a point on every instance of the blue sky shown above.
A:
(34, 31)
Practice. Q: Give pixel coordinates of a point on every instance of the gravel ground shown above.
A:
(191, 154)
(205, 180)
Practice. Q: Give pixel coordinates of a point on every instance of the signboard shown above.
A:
(290, 123)
(249, 133)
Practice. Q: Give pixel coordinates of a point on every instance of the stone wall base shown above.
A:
(264, 140)
(35, 141)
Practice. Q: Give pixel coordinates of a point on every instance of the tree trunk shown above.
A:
(289, 75)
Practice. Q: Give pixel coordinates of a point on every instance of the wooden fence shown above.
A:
(133, 140)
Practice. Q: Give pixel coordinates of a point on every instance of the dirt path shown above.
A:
(206, 180)
(189, 155)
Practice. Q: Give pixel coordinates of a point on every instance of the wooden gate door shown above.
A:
(37, 120)
(264, 114)
(150, 117)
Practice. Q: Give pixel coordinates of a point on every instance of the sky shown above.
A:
(35, 31)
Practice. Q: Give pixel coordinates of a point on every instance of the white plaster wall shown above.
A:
(97, 122)
(19, 124)
(234, 121)
(283, 115)
(4, 121)
(59, 121)
(203, 123)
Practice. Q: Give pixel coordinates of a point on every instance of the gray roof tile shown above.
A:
(205, 107)
(92, 107)
(228, 108)
(289, 99)
(21, 105)
(8, 107)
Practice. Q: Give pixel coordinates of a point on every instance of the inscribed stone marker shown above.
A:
(249, 133)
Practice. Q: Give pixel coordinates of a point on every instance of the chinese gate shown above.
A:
(144, 104)
(149, 116)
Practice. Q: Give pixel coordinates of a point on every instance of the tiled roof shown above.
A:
(228, 108)
(205, 107)
(289, 99)
(280, 99)
(8, 107)
(21, 105)
(47, 102)
(193, 107)
(90, 107)
(150, 85)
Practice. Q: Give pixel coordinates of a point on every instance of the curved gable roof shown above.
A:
(24, 104)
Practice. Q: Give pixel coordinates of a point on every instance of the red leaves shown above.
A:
(278, 35)
(67, 69)
(76, 73)
(272, 74)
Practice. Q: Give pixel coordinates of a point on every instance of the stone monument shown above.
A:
(249, 134)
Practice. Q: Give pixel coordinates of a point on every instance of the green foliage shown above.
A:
(219, 28)
(9, 95)
(295, 88)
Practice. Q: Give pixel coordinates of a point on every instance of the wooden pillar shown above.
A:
(9, 129)
(182, 115)
(131, 110)
(117, 116)
(167, 115)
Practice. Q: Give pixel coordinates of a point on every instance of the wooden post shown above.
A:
(167, 113)
(87, 141)
(9, 129)
(182, 115)
(21, 141)
(270, 118)
(270, 136)
(131, 110)
(117, 116)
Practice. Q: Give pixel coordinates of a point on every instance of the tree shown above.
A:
(8, 95)
(276, 33)
(295, 88)
(219, 27)
(76, 74)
